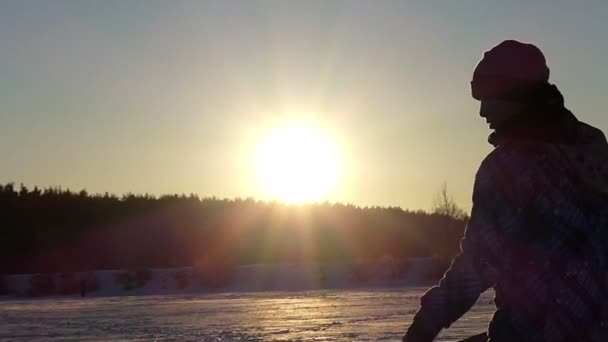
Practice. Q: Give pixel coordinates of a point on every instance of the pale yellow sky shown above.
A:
(170, 97)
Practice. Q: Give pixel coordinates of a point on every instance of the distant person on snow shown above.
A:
(539, 221)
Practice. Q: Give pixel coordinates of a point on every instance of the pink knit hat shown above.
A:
(509, 68)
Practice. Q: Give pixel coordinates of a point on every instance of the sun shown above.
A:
(298, 163)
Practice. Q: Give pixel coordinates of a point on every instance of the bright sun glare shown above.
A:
(298, 163)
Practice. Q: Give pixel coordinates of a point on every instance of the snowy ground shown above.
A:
(326, 315)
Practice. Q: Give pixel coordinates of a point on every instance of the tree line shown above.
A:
(59, 230)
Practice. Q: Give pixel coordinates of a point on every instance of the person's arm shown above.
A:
(464, 281)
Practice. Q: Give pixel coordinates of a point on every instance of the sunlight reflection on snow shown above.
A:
(329, 315)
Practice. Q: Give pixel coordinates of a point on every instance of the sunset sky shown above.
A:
(177, 96)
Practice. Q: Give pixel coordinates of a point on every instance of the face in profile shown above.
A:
(498, 112)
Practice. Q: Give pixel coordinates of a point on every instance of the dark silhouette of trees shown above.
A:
(58, 230)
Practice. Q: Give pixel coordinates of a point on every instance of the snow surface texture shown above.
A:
(321, 315)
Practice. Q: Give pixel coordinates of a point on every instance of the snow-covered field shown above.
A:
(322, 315)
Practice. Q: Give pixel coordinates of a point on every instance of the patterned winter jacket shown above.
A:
(537, 235)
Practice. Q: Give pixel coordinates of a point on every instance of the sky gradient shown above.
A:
(170, 96)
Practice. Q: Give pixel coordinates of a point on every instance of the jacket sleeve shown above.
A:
(466, 278)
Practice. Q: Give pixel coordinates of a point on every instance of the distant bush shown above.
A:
(68, 283)
(125, 281)
(163, 283)
(42, 285)
(402, 268)
(361, 271)
(90, 280)
(142, 277)
(322, 274)
(182, 280)
(214, 274)
(4, 288)
(133, 280)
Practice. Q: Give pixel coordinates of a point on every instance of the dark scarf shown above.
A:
(545, 118)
